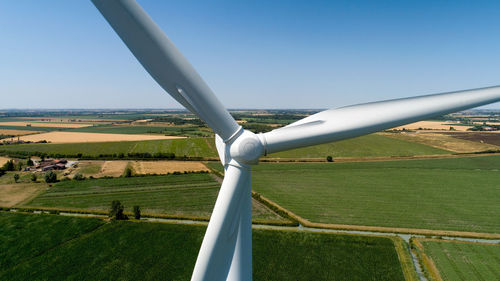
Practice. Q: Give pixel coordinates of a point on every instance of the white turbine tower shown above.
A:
(226, 251)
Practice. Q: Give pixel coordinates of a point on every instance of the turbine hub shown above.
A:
(246, 148)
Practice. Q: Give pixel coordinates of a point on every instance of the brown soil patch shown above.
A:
(44, 124)
(164, 167)
(486, 138)
(432, 125)
(76, 137)
(113, 168)
(3, 160)
(446, 141)
(17, 132)
(13, 194)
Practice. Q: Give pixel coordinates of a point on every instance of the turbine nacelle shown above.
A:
(244, 147)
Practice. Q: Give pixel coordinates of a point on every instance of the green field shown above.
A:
(193, 147)
(185, 195)
(23, 237)
(157, 251)
(29, 128)
(464, 261)
(367, 146)
(445, 194)
(373, 145)
(125, 129)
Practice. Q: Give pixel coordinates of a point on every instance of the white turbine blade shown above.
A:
(353, 121)
(165, 63)
(219, 244)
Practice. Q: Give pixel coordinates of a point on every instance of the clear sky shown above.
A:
(253, 54)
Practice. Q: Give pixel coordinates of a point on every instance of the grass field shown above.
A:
(156, 251)
(367, 146)
(445, 194)
(125, 129)
(374, 145)
(195, 147)
(464, 261)
(185, 195)
(32, 128)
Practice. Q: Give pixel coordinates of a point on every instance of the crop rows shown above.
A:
(464, 261)
(444, 194)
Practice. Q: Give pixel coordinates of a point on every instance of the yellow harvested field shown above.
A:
(13, 194)
(44, 124)
(447, 142)
(164, 167)
(16, 132)
(112, 168)
(3, 160)
(432, 125)
(76, 137)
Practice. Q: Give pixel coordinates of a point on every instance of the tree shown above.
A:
(16, 177)
(29, 162)
(50, 177)
(329, 158)
(128, 172)
(78, 177)
(19, 166)
(137, 212)
(116, 211)
(8, 166)
(33, 177)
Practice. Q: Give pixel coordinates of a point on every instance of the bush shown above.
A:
(50, 177)
(78, 177)
(329, 158)
(33, 177)
(128, 172)
(9, 166)
(29, 162)
(16, 177)
(116, 211)
(137, 212)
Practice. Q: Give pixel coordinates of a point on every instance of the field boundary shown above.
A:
(428, 265)
(101, 213)
(405, 258)
(416, 231)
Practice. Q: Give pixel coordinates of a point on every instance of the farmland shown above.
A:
(195, 147)
(445, 194)
(163, 130)
(118, 250)
(451, 141)
(45, 124)
(192, 194)
(374, 145)
(71, 137)
(464, 260)
(368, 146)
(492, 138)
(164, 167)
(188, 195)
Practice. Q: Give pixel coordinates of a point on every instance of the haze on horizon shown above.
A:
(259, 54)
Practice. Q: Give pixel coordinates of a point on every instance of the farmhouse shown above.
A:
(47, 165)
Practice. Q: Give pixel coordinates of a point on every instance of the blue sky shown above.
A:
(253, 54)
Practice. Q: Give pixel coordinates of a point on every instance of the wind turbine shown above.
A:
(226, 251)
